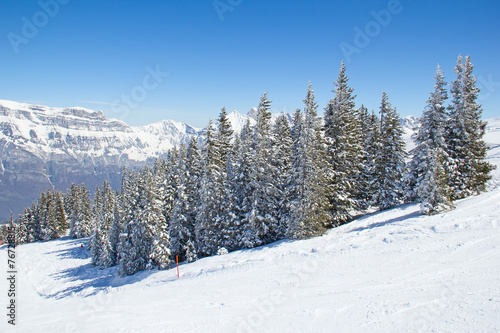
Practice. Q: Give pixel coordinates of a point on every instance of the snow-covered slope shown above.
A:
(392, 271)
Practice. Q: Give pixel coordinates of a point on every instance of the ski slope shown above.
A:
(391, 271)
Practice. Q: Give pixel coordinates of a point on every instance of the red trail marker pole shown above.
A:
(177, 262)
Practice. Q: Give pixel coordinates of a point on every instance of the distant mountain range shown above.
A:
(43, 147)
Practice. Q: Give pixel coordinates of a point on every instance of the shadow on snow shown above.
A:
(87, 279)
(386, 222)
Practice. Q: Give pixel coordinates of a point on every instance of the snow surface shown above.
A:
(391, 271)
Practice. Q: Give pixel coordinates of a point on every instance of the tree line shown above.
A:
(275, 180)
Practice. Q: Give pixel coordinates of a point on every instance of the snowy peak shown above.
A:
(238, 120)
(252, 113)
(410, 122)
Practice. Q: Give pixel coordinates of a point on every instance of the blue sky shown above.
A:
(185, 59)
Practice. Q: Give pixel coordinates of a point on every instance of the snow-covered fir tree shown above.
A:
(182, 220)
(21, 230)
(367, 137)
(191, 191)
(61, 219)
(345, 150)
(263, 216)
(32, 224)
(104, 210)
(212, 194)
(432, 190)
(128, 250)
(465, 129)
(426, 178)
(242, 188)
(80, 211)
(282, 161)
(229, 236)
(144, 241)
(389, 165)
(309, 210)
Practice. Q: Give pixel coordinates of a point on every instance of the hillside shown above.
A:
(391, 271)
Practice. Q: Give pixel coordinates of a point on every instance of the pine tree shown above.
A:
(228, 228)
(115, 230)
(95, 250)
(53, 227)
(179, 229)
(209, 216)
(244, 155)
(465, 130)
(263, 217)
(309, 206)
(129, 257)
(282, 161)
(62, 224)
(345, 151)
(192, 185)
(363, 195)
(144, 241)
(21, 230)
(372, 147)
(32, 225)
(103, 216)
(81, 212)
(432, 190)
(390, 159)
(296, 181)
(426, 178)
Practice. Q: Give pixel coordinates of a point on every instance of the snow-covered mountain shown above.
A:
(43, 147)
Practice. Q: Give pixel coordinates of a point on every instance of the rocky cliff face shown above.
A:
(42, 147)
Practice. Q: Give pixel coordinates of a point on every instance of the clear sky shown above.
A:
(144, 61)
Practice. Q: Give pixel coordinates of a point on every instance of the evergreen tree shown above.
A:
(100, 246)
(390, 159)
(211, 196)
(129, 257)
(244, 155)
(21, 230)
(192, 185)
(345, 151)
(372, 147)
(263, 216)
(62, 224)
(363, 195)
(80, 212)
(432, 190)
(426, 177)
(282, 160)
(144, 241)
(115, 230)
(228, 228)
(469, 171)
(309, 206)
(178, 226)
(32, 224)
